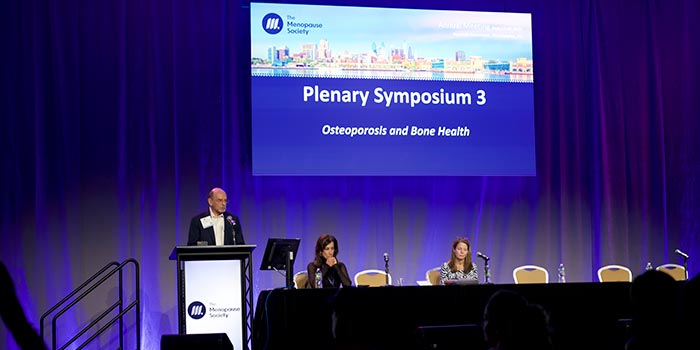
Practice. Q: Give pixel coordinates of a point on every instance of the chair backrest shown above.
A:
(614, 273)
(530, 274)
(433, 276)
(676, 271)
(301, 280)
(372, 278)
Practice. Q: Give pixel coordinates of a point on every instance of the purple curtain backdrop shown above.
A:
(119, 116)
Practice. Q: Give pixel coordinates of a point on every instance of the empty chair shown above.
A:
(614, 273)
(530, 274)
(433, 276)
(676, 271)
(372, 278)
(301, 280)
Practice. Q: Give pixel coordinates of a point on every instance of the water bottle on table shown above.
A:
(319, 278)
(562, 273)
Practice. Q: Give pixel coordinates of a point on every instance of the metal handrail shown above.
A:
(71, 294)
(119, 303)
(116, 318)
(92, 323)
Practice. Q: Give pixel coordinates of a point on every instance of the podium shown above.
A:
(215, 291)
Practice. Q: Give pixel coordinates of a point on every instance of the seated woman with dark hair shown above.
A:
(333, 272)
(460, 265)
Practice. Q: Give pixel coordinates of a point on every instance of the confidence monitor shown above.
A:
(280, 254)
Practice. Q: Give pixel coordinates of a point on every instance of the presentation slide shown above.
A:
(386, 91)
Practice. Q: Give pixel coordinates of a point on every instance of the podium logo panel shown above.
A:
(196, 310)
(213, 298)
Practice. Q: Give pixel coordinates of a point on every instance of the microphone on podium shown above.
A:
(233, 223)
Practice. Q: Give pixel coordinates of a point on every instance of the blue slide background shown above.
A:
(288, 138)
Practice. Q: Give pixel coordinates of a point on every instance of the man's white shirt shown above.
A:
(218, 223)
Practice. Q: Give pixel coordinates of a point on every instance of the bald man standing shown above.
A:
(216, 226)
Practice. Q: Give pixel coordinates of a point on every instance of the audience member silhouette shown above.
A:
(691, 313)
(654, 299)
(510, 323)
(13, 316)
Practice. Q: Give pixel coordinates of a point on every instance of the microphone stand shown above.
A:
(487, 269)
(487, 272)
(386, 268)
(685, 261)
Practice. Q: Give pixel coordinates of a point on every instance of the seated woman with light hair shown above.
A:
(460, 266)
